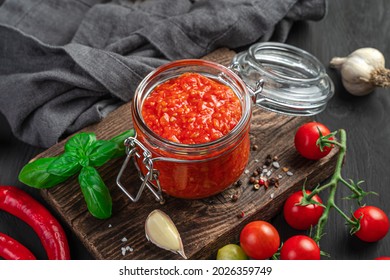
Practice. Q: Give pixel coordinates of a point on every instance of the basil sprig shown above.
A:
(82, 153)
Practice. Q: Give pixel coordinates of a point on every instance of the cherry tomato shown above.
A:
(300, 247)
(374, 223)
(302, 217)
(382, 258)
(260, 240)
(306, 140)
(231, 252)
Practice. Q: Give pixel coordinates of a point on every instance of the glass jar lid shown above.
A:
(284, 78)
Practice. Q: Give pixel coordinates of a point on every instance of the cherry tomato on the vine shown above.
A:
(374, 223)
(306, 140)
(382, 258)
(300, 247)
(260, 240)
(302, 217)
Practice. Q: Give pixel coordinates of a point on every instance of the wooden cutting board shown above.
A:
(205, 225)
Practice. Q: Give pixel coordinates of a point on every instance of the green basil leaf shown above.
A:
(80, 142)
(34, 174)
(96, 194)
(84, 160)
(101, 151)
(65, 165)
(120, 139)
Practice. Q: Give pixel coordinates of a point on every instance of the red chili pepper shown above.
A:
(48, 229)
(10, 249)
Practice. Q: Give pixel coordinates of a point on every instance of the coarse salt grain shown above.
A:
(269, 173)
(280, 176)
(276, 164)
(272, 195)
(110, 225)
(126, 249)
(289, 173)
(256, 160)
(124, 239)
(246, 171)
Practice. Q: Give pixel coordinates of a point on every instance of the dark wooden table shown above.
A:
(349, 25)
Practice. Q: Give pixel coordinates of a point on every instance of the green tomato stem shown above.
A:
(347, 218)
(351, 187)
(318, 190)
(337, 173)
(336, 177)
(332, 142)
(324, 217)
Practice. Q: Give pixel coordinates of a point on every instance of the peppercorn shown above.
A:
(255, 147)
(255, 173)
(241, 215)
(273, 182)
(235, 197)
(268, 160)
(237, 183)
(252, 180)
(259, 169)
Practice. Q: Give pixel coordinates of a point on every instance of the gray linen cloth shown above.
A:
(65, 64)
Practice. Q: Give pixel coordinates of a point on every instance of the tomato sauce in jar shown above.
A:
(191, 109)
(195, 122)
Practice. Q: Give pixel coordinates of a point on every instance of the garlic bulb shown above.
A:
(362, 71)
(162, 232)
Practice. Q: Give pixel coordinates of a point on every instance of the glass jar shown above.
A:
(198, 170)
(274, 76)
(295, 82)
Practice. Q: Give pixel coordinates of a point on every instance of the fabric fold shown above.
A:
(65, 64)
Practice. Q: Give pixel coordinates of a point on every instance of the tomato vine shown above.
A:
(357, 192)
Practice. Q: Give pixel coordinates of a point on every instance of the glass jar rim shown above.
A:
(225, 76)
(282, 48)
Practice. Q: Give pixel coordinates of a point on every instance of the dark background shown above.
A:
(348, 25)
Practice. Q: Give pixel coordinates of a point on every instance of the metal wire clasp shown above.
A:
(133, 149)
(256, 91)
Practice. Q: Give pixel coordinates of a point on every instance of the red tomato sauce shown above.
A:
(191, 109)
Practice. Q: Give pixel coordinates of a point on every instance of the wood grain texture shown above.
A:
(205, 225)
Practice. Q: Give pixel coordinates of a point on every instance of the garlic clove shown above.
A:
(162, 232)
